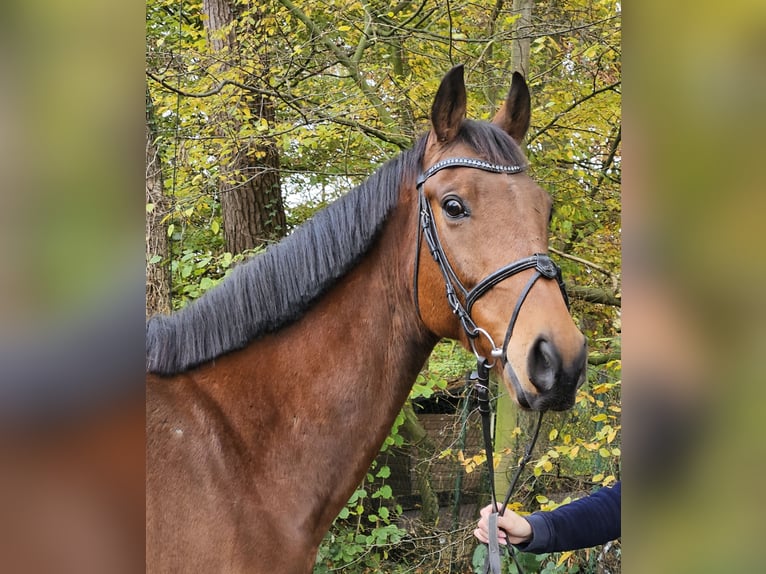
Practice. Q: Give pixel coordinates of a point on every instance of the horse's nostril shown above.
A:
(544, 364)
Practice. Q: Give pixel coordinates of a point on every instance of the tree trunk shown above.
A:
(249, 185)
(157, 272)
(507, 417)
(416, 435)
(522, 39)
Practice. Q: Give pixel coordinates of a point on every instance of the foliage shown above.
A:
(194, 272)
(577, 452)
(364, 530)
(352, 84)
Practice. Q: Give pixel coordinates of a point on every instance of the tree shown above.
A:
(249, 178)
(157, 269)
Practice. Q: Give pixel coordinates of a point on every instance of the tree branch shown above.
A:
(345, 61)
(212, 91)
(603, 358)
(402, 142)
(576, 103)
(609, 159)
(594, 295)
(583, 261)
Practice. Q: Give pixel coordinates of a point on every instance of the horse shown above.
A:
(269, 396)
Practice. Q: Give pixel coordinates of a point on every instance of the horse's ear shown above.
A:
(448, 110)
(513, 116)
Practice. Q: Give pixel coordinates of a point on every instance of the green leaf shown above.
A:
(383, 492)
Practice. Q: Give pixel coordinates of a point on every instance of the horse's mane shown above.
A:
(278, 286)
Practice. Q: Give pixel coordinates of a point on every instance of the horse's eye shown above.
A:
(454, 207)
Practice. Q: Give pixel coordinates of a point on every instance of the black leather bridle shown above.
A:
(544, 267)
(541, 263)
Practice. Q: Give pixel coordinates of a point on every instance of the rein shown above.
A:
(480, 378)
(543, 266)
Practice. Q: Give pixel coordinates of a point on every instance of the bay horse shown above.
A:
(269, 397)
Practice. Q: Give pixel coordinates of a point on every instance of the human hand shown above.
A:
(511, 527)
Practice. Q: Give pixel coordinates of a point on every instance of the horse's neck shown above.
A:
(314, 402)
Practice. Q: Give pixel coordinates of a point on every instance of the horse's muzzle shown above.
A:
(554, 378)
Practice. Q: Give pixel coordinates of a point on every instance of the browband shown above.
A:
(468, 162)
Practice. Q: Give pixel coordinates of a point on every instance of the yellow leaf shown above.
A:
(574, 451)
(553, 434)
(564, 556)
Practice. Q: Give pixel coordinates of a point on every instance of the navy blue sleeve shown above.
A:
(586, 522)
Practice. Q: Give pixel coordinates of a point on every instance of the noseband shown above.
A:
(543, 266)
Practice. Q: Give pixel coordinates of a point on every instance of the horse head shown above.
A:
(484, 226)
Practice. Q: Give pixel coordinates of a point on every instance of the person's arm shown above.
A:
(586, 522)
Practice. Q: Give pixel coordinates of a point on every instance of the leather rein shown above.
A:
(461, 301)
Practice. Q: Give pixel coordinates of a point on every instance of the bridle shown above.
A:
(544, 268)
(541, 263)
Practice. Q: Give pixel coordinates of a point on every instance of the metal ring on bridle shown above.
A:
(495, 353)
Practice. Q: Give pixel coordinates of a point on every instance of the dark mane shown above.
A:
(277, 287)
